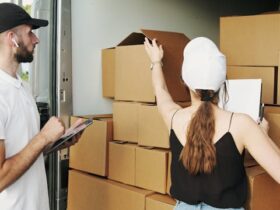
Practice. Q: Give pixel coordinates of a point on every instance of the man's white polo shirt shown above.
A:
(19, 123)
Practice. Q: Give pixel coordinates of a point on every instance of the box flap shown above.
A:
(173, 44)
(133, 39)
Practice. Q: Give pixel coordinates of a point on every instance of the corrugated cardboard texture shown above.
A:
(160, 202)
(133, 76)
(86, 192)
(251, 40)
(271, 109)
(108, 73)
(151, 169)
(122, 162)
(249, 161)
(274, 127)
(173, 44)
(152, 129)
(90, 154)
(168, 185)
(267, 74)
(263, 190)
(278, 85)
(272, 115)
(125, 117)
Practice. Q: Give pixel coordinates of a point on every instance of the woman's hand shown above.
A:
(154, 51)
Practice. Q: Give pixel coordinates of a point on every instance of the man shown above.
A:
(23, 183)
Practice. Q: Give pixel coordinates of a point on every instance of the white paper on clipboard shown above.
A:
(244, 97)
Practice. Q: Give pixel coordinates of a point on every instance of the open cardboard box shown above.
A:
(132, 66)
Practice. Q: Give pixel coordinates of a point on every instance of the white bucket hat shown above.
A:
(204, 66)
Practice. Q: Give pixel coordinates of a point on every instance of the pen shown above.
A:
(261, 113)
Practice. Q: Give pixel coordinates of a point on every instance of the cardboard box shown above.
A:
(168, 185)
(274, 127)
(263, 190)
(151, 169)
(251, 40)
(271, 109)
(90, 154)
(249, 161)
(122, 162)
(267, 74)
(160, 202)
(278, 84)
(125, 117)
(133, 75)
(89, 192)
(272, 115)
(108, 72)
(152, 130)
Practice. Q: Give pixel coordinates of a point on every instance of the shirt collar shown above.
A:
(17, 82)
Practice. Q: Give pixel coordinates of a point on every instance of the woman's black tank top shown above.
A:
(225, 187)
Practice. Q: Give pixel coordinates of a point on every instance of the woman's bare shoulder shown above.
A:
(243, 123)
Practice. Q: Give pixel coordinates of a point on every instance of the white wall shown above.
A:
(98, 24)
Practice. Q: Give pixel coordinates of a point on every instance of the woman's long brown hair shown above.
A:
(199, 153)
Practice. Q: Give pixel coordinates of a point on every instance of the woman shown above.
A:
(207, 142)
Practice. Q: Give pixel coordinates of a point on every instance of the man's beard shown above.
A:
(23, 55)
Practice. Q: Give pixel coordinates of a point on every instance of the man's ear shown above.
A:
(11, 38)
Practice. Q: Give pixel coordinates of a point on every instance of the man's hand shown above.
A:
(75, 138)
(52, 130)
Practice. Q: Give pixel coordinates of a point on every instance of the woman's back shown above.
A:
(224, 122)
(226, 185)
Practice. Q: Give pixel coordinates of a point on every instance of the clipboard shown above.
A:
(67, 137)
(244, 97)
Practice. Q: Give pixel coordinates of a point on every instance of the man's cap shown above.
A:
(204, 66)
(12, 15)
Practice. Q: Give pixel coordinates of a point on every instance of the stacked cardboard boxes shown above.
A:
(252, 45)
(138, 156)
(134, 156)
(135, 159)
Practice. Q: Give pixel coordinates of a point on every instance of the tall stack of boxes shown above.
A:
(129, 168)
(138, 156)
(252, 47)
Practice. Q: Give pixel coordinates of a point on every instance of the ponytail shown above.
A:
(199, 152)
